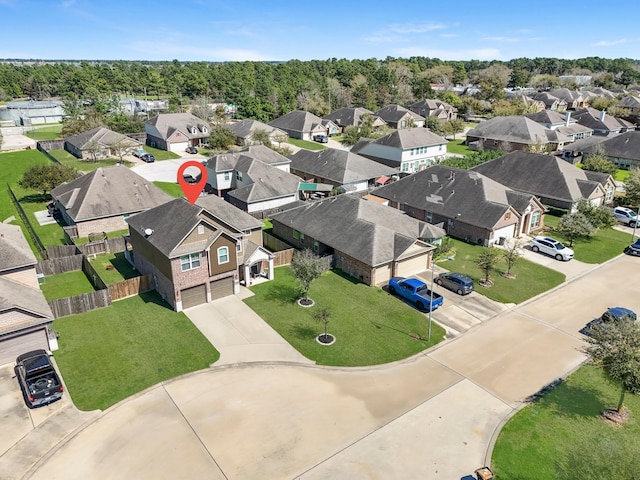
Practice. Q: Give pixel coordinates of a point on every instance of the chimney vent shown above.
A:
(603, 113)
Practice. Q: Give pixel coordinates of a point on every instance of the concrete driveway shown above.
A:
(431, 416)
(13, 139)
(165, 170)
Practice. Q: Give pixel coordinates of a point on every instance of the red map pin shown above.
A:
(192, 190)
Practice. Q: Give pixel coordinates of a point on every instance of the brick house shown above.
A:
(102, 200)
(100, 142)
(176, 131)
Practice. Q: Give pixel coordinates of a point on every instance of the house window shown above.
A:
(609, 195)
(507, 215)
(316, 246)
(239, 176)
(296, 234)
(194, 130)
(190, 262)
(200, 229)
(535, 219)
(301, 237)
(223, 255)
(227, 176)
(403, 124)
(205, 130)
(429, 217)
(239, 247)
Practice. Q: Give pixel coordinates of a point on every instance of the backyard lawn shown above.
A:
(51, 132)
(69, 160)
(370, 326)
(531, 278)
(172, 189)
(109, 354)
(113, 267)
(116, 234)
(565, 424)
(306, 144)
(33, 201)
(458, 146)
(161, 154)
(600, 247)
(65, 285)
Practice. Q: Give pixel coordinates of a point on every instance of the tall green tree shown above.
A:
(221, 138)
(46, 177)
(575, 225)
(306, 267)
(632, 188)
(599, 216)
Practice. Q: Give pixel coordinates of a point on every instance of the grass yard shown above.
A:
(66, 285)
(160, 154)
(116, 234)
(600, 247)
(565, 423)
(531, 278)
(33, 201)
(109, 354)
(172, 189)
(66, 158)
(458, 146)
(306, 144)
(51, 132)
(622, 175)
(371, 327)
(113, 267)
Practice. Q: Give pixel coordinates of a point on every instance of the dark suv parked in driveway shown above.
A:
(456, 282)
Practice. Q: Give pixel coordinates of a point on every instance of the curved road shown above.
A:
(432, 416)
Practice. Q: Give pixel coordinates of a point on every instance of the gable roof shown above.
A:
(451, 192)
(14, 248)
(394, 113)
(548, 99)
(339, 166)
(166, 124)
(408, 138)
(629, 102)
(246, 127)
(297, 121)
(517, 129)
(624, 145)
(170, 224)
(598, 120)
(351, 116)
(541, 175)
(367, 231)
(228, 214)
(100, 136)
(107, 192)
(16, 295)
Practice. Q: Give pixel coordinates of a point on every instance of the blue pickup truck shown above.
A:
(416, 291)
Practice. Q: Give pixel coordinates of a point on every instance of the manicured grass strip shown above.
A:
(566, 421)
(33, 201)
(600, 247)
(109, 354)
(66, 285)
(160, 154)
(46, 133)
(66, 158)
(172, 189)
(458, 146)
(371, 327)
(622, 175)
(113, 267)
(531, 278)
(306, 144)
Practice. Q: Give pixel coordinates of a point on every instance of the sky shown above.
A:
(280, 30)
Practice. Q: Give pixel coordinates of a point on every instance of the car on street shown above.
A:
(456, 282)
(633, 249)
(551, 247)
(615, 314)
(626, 216)
(192, 150)
(321, 138)
(148, 158)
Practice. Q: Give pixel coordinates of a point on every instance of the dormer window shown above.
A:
(194, 130)
(200, 229)
(205, 129)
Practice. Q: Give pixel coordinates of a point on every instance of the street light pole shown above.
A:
(635, 225)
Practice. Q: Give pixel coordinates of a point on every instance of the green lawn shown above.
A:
(66, 285)
(111, 353)
(622, 175)
(371, 327)
(116, 234)
(51, 132)
(531, 278)
(161, 154)
(66, 158)
(566, 422)
(458, 146)
(172, 189)
(600, 247)
(306, 144)
(113, 267)
(33, 201)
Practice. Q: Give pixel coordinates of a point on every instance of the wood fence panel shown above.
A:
(283, 257)
(80, 303)
(59, 251)
(92, 275)
(131, 287)
(59, 265)
(274, 244)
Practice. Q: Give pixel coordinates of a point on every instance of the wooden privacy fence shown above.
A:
(283, 257)
(79, 303)
(55, 266)
(131, 287)
(92, 275)
(59, 251)
(108, 245)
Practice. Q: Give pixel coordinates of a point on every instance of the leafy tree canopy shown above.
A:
(46, 177)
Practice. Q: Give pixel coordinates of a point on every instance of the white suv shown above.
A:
(626, 216)
(551, 247)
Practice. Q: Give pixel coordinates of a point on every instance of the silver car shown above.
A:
(551, 247)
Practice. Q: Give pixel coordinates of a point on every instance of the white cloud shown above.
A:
(610, 43)
(400, 32)
(170, 50)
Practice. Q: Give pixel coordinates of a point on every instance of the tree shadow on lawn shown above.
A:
(282, 294)
(382, 325)
(572, 401)
(304, 332)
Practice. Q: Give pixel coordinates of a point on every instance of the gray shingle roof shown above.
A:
(541, 175)
(517, 129)
(368, 231)
(411, 138)
(246, 127)
(629, 102)
(339, 166)
(107, 192)
(228, 214)
(625, 145)
(16, 295)
(451, 192)
(590, 117)
(349, 116)
(393, 113)
(297, 121)
(100, 136)
(14, 248)
(166, 124)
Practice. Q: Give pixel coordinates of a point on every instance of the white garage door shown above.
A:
(412, 266)
(222, 288)
(14, 346)
(178, 147)
(193, 296)
(382, 274)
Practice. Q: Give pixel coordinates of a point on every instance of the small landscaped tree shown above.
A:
(323, 316)
(632, 188)
(46, 177)
(487, 261)
(307, 267)
(575, 225)
(615, 345)
(512, 254)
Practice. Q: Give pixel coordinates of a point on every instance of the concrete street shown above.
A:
(431, 416)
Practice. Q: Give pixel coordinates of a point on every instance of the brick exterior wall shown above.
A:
(107, 224)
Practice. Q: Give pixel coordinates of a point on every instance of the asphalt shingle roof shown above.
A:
(14, 248)
(167, 123)
(100, 136)
(411, 138)
(297, 121)
(16, 295)
(517, 129)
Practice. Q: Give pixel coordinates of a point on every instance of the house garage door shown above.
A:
(412, 266)
(222, 288)
(193, 296)
(14, 346)
(178, 146)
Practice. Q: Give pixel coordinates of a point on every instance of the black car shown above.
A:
(148, 158)
(191, 150)
(457, 282)
(615, 314)
(633, 249)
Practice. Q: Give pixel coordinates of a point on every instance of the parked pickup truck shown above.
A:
(415, 291)
(38, 379)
